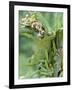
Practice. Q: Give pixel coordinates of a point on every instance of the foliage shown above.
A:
(40, 44)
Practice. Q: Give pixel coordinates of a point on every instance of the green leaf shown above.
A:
(54, 47)
(27, 35)
(43, 21)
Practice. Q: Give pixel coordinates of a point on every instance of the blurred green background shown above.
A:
(30, 47)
